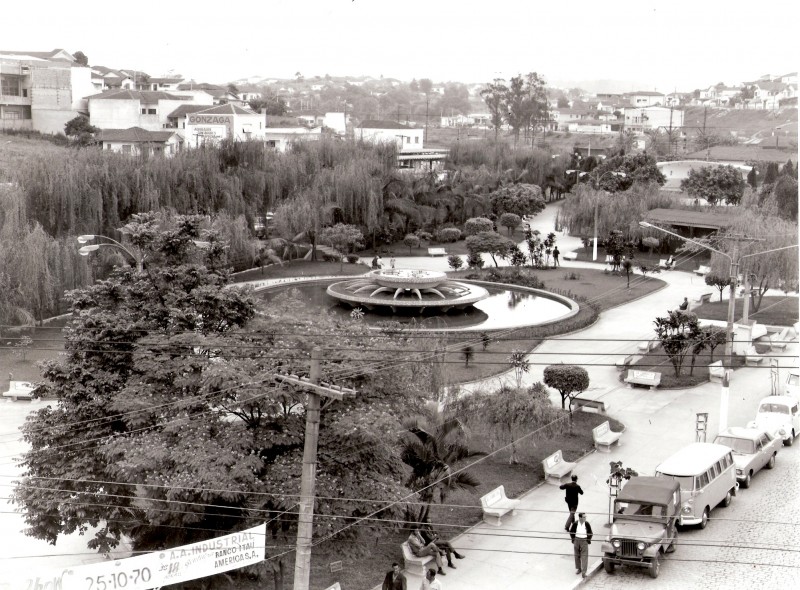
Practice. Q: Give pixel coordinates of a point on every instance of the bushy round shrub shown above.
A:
(448, 234)
(352, 258)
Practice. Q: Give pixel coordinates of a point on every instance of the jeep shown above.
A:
(643, 524)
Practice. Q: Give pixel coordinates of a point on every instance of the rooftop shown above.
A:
(684, 218)
(135, 135)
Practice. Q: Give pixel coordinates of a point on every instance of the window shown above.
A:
(126, 149)
(702, 480)
(416, 140)
(151, 111)
(408, 139)
(144, 111)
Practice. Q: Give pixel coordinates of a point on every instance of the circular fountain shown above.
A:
(407, 290)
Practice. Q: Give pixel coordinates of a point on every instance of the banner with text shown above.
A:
(151, 570)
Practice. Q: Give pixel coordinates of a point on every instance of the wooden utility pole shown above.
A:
(305, 521)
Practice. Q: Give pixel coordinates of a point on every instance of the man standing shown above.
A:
(555, 256)
(572, 490)
(394, 580)
(581, 534)
(421, 549)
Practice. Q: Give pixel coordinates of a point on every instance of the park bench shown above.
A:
(19, 390)
(648, 345)
(624, 362)
(603, 436)
(570, 256)
(410, 560)
(496, 504)
(437, 252)
(588, 405)
(702, 270)
(703, 298)
(651, 379)
(752, 357)
(716, 372)
(779, 340)
(555, 468)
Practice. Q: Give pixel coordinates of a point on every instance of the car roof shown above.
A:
(779, 399)
(742, 432)
(651, 489)
(693, 459)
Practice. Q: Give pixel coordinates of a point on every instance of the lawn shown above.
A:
(657, 360)
(773, 311)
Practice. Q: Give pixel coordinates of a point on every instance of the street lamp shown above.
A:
(85, 250)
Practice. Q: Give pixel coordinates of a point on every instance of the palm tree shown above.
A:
(431, 448)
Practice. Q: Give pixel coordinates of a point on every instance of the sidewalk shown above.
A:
(531, 547)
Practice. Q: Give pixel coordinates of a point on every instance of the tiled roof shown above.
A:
(186, 109)
(772, 86)
(135, 135)
(165, 80)
(146, 96)
(646, 93)
(740, 153)
(378, 124)
(685, 218)
(226, 109)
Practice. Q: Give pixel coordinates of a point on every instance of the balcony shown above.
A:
(10, 99)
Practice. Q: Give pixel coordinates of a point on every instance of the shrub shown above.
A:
(424, 236)
(352, 258)
(411, 241)
(455, 262)
(448, 234)
(510, 276)
(475, 260)
(475, 225)
(572, 276)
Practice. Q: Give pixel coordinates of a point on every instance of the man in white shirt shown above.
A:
(581, 534)
(431, 582)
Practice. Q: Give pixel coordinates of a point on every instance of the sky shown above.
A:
(646, 45)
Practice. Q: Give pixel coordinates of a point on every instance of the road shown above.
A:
(755, 543)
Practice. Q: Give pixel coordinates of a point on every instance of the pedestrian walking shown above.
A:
(571, 492)
(555, 257)
(431, 582)
(394, 580)
(375, 262)
(392, 261)
(685, 305)
(581, 534)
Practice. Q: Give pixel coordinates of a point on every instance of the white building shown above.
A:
(281, 138)
(140, 142)
(644, 119)
(644, 98)
(404, 137)
(216, 123)
(123, 109)
(41, 91)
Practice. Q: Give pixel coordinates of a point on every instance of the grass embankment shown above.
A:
(773, 311)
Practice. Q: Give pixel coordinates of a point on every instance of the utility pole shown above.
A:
(305, 521)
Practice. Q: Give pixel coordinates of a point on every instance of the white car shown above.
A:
(778, 414)
(19, 390)
(753, 449)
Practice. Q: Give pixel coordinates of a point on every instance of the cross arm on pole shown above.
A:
(324, 389)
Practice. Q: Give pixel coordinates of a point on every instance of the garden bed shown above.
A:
(657, 360)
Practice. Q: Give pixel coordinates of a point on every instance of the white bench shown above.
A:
(716, 372)
(779, 340)
(702, 270)
(752, 357)
(652, 379)
(570, 256)
(496, 504)
(19, 390)
(703, 298)
(603, 436)
(593, 406)
(437, 252)
(648, 345)
(624, 362)
(555, 468)
(410, 560)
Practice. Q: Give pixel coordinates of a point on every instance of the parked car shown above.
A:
(19, 390)
(792, 387)
(644, 524)
(779, 414)
(753, 449)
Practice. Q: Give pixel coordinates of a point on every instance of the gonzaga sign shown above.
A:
(188, 562)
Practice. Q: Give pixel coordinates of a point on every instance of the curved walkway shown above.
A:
(532, 545)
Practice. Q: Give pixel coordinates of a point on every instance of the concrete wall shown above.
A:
(51, 120)
(114, 114)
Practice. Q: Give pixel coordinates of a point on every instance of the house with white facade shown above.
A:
(281, 138)
(768, 95)
(645, 119)
(412, 155)
(217, 123)
(140, 142)
(123, 109)
(41, 91)
(645, 98)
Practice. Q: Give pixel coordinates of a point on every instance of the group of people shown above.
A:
(377, 262)
(424, 541)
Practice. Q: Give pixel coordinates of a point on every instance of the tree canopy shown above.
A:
(621, 172)
(569, 380)
(715, 184)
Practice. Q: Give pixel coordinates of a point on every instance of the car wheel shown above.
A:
(746, 481)
(655, 565)
(704, 519)
(728, 499)
(771, 464)
(789, 441)
(608, 565)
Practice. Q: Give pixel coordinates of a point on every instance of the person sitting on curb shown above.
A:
(422, 549)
